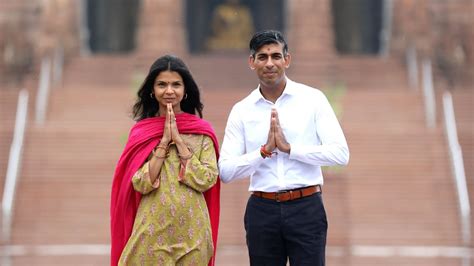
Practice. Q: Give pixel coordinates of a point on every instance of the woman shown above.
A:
(165, 192)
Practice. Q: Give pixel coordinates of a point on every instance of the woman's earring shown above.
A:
(151, 95)
(185, 96)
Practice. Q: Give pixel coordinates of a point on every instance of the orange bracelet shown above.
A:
(264, 153)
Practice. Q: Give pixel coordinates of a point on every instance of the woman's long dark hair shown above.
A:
(146, 106)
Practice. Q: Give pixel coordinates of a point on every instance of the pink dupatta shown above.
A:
(144, 136)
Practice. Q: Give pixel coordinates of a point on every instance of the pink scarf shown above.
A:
(144, 136)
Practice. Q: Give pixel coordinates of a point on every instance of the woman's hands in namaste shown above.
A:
(170, 133)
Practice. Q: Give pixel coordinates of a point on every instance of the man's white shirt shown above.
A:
(309, 125)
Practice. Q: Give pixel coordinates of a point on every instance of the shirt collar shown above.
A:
(290, 89)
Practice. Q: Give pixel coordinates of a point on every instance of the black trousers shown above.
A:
(276, 231)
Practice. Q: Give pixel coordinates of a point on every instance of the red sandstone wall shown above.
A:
(163, 33)
(58, 27)
(441, 30)
(31, 29)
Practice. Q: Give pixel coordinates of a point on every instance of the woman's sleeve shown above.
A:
(142, 182)
(200, 171)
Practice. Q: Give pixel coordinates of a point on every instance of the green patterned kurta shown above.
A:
(172, 224)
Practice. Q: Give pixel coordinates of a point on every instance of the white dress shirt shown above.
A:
(310, 127)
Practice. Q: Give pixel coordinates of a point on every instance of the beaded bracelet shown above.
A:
(155, 150)
(160, 147)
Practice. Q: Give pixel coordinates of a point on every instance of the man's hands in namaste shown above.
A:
(276, 138)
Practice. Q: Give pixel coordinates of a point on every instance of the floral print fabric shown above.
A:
(172, 224)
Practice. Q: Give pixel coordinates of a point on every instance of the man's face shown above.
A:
(269, 63)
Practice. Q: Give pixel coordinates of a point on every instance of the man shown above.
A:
(280, 135)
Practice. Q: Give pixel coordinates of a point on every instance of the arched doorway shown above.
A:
(227, 25)
(357, 26)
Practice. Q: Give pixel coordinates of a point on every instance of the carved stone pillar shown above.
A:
(161, 27)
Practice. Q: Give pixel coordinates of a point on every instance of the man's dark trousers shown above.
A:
(295, 229)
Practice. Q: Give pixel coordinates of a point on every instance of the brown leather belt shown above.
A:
(288, 195)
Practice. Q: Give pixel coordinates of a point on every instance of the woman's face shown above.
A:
(169, 88)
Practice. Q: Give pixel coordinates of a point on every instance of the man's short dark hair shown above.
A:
(265, 37)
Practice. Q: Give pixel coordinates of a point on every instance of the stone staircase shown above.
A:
(396, 191)
(399, 185)
(64, 188)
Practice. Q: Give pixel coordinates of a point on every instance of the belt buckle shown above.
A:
(278, 194)
(277, 197)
